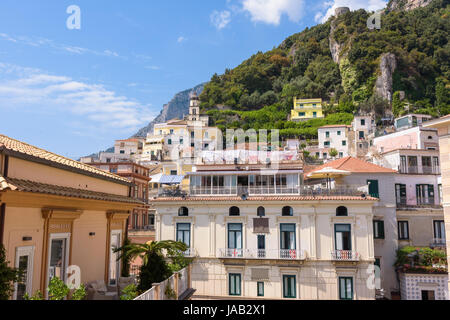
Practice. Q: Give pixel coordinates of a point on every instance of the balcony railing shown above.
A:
(345, 255)
(190, 252)
(419, 169)
(284, 254)
(340, 190)
(438, 242)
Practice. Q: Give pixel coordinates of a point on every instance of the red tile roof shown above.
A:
(353, 165)
(35, 153)
(37, 187)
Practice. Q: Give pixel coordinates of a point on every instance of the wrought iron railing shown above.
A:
(345, 255)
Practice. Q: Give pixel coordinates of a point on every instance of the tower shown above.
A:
(194, 107)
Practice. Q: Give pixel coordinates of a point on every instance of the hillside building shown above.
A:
(305, 109)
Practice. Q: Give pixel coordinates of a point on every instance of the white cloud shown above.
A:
(91, 104)
(220, 19)
(270, 11)
(369, 5)
(152, 67)
(181, 39)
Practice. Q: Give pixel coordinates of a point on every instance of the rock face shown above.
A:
(341, 10)
(178, 107)
(407, 4)
(383, 85)
(335, 47)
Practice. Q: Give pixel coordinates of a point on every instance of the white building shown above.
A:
(332, 137)
(260, 233)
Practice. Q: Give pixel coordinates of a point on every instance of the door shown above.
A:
(114, 264)
(58, 262)
(24, 262)
(343, 242)
(373, 188)
(261, 246)
(428, 295)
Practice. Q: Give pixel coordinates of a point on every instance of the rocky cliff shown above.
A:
(406, 4)
(177, 108)
(383, 84)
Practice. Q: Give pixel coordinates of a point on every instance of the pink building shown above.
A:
(413, 138)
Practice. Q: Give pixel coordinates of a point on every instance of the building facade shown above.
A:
(305, 109)
(256, 233)
(57, 214)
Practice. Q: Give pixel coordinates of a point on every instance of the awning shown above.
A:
(171, 179)
(155, 178)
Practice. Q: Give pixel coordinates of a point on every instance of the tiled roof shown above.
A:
(335, 126)
(37, 153)
(265, 198)
(354, 165)
(37, 187)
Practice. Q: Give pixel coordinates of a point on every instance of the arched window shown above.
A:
(234, 211)
(261, 212)
(341, 211)
(287, 211)
(183, 212)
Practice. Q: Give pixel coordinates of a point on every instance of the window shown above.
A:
(342, 237)
(440, 193)
(317, 154)
(326, 143)
(289, 287)
(122, 151)
(439, 229)
(24, 262)
(403, 230)
(345, 288)
(403, 165)
(324, 155)
(235, 284)
(59, 245)
(184, 233)
(171, 131)
(181, 140)
(151, 219)
(235, 236)
(344, 142)
(373, 188)
(261, 245)
(428, 295)
(173, 172)
(287, 211)
(135, 221)
(301, 114)
(341, 211)
(363, 122)
(260, 288)
(400, 193)
(425, 194)
(169, 141)
(378, 229)
(261, 212)
(287, 234)
(327, 134)
(426, 165)
(412, 164)
(341, 154)
(234, 211)
(183, 212)
(113, 169)
(314, 114)
(339, 133)
(361, 134)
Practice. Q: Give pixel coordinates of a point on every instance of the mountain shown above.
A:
(178, 107)
(350, 66)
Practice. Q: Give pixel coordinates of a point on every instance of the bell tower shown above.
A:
(194, 107)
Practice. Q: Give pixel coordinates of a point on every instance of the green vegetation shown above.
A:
(421, 259)
(129, 292)
(58, 290)
(160, 259)
(259, 92)
(8, 276)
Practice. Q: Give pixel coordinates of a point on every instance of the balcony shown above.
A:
(283, 254)
(345, 255)
(340, 190)
(190, 253)
(419, 170)
(438, 242)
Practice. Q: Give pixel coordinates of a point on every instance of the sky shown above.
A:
(77, 75)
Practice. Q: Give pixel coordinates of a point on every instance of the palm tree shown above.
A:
(154, 267)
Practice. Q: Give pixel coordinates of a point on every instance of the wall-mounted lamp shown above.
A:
(27, 238)
(91, 234)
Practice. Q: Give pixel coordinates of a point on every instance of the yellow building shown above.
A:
(305, 109)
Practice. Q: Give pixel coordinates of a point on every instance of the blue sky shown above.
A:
(74, 92)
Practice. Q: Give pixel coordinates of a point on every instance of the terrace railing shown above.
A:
(345, 255)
